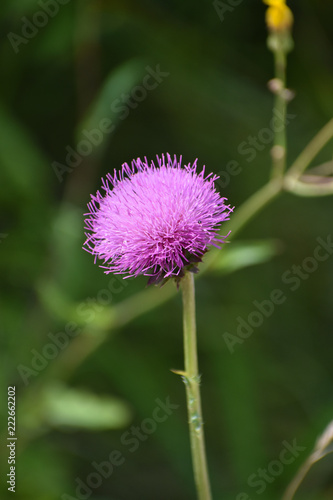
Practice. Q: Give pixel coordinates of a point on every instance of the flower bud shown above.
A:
(278, 16)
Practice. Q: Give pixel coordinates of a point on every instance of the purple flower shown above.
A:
(154, 220)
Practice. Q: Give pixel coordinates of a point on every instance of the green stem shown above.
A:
(302, 188)
(322, 449)
(298, 479)
(192, 379)
(279, 151)
(249, 208)
(310, 152)
(253, 205)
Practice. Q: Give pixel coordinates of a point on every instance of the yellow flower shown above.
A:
(278, 16)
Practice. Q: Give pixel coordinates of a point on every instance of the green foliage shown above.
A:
(81, 409)
(244, 254)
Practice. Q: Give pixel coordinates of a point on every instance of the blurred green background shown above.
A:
(88, 356)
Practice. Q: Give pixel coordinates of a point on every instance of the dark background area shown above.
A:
(77, 399)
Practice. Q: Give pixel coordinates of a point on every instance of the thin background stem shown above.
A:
(310, 152)
(249, 209)
(295, 483)
(279, 151)
(321, 450)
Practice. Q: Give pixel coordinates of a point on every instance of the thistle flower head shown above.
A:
(278, 16)
(154, 219)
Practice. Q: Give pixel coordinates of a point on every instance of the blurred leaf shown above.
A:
(57, 39)
(118, 83)
(58, 303)
(66, 246)
(78, 408)
(244, 254)
(20, 158)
